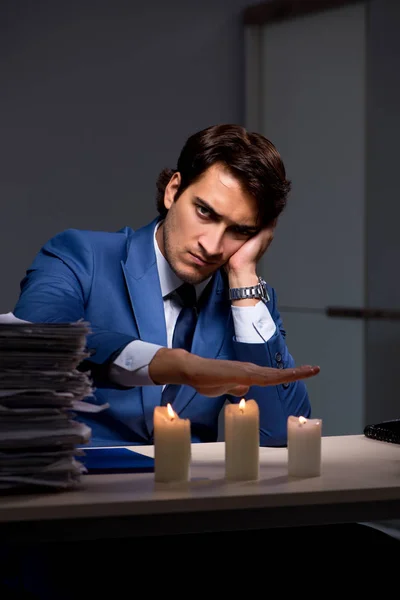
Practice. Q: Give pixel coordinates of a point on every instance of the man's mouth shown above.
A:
(200, 261)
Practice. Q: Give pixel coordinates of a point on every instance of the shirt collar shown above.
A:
(169, 281)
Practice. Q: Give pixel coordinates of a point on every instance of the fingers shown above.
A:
(238, 390)
(214, 377)
(277, 376)
(305, 371)
(214, 391)
(235, 374)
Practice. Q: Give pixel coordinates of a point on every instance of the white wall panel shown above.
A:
(313, 110)
(337, 346)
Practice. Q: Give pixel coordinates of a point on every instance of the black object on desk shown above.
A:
(115, 460)
(387, 431)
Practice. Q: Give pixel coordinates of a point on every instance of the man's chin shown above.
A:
(194, 276)
(194, 279)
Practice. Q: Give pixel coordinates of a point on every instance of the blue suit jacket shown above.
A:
(111, 281)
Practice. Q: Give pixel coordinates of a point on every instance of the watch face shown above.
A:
(264, 291)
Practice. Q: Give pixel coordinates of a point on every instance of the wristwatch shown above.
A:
(255, 291)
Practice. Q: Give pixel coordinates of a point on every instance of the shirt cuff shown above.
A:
(253, 324)
(134, 363)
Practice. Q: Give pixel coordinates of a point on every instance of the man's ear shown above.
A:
(171, 190)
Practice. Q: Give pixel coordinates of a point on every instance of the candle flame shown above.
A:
(242, 404)
(302, 420)
(170, 411)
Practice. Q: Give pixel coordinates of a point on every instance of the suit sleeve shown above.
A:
(276, 403)
(56, 287)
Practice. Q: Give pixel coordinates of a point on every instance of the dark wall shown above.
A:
(383, 205)
(95, 99)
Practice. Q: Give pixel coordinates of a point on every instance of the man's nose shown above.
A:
(212, 241)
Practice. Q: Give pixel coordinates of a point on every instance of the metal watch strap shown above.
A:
(254, 291)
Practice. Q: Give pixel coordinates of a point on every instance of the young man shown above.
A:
(218, 211)
(217, 216)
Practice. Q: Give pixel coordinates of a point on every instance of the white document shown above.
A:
(10, 318)
(78, 405)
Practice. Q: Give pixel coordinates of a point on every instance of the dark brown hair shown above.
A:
(250, 157)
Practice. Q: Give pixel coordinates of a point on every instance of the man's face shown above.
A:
(206, 225)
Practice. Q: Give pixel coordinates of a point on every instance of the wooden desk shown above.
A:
(360, 481)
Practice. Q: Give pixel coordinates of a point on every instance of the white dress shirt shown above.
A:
(253, 324)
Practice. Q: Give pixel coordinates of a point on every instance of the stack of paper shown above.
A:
(39, 386)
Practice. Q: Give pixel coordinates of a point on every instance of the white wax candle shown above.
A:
(304, 446)
(242, 441)
(172, 445)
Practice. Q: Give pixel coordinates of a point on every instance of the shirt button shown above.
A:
(278, 357)
(285, 385)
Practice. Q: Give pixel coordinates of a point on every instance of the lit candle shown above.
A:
(172, 445)
(242, 441)
(304, 446)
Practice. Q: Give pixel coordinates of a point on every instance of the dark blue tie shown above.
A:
(183, 332)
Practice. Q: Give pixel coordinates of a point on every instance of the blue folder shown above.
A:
(115, 460)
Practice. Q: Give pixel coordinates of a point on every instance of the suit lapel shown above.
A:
(143, 285)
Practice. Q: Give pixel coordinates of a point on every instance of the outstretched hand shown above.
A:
(212, 377)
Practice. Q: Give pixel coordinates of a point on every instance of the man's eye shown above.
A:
(243, 232)
(203, 211)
